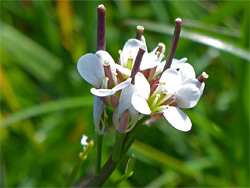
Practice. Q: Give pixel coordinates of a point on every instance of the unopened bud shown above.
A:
(114, 100)
(123, 122)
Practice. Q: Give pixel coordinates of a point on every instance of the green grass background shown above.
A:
(46, 106)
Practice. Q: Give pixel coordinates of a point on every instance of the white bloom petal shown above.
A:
(172, 80)
(178, 119)
(187, 71)
(130, 49)
(97, 112)
(149, 61)
(187, 96)
(125, 99)
(102, 92)
(143, 40)
(84, 140)
(123, 70)
(106, 57)
(142, 85)
(91, 69)
(140, 104)
(196, 82)
(176, 64)
(122, 85)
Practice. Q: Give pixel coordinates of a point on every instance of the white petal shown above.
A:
(123, 70)
(105, 56)
(178, 119)
(159, 68)
(176, 64)
(149, 61)
(97, 112)
(140, 104)
(84, 140)
(122, 85)
(130, 48)
(143, 40)
(125, 99)
(102, 92)
(187, 96)
(187, 71)
(142, 85)
(91, 69)
(172, 80)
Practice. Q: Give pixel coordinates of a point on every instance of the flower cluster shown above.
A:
(142, 83)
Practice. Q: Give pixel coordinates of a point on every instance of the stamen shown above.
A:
(101, 28)
(159, 49)
(173, 47)
(105, 82)
(140, 30)
(120, 52)
(203, 77)
(137, 64)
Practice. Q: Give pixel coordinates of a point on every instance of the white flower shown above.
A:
(176, 89)
(99, 69)
(126, 105)
(129, 52)
(84, 141)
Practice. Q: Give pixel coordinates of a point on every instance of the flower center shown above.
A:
(160, 99)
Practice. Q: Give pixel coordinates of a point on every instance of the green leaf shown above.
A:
(28, 54)
(194, 36)
(48, 107)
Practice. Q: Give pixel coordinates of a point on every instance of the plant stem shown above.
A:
(99, 139)
(118, 146)
(110, 165)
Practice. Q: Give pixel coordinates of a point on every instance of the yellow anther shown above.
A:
(165, 91)
(120, 52)
(106, 116)
(114, 73)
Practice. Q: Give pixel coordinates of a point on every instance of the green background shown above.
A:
(46, 106)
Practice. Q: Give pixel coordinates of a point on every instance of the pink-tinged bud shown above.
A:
(120, 77)
(101, 28)
(140, 30)
(137, 64)
(175, 104)
(174, 44)
(151, 73)
(153, 85)
(203, 77)
(157, 115)
(169, 101)
(104, 100)
(114, 100)
(146, 73)
(123, 122)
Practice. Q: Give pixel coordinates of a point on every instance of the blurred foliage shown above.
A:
(46, 106)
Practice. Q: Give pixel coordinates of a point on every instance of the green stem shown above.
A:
(81, 158)
(99, 139)
(118, 145)
(110, 165)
